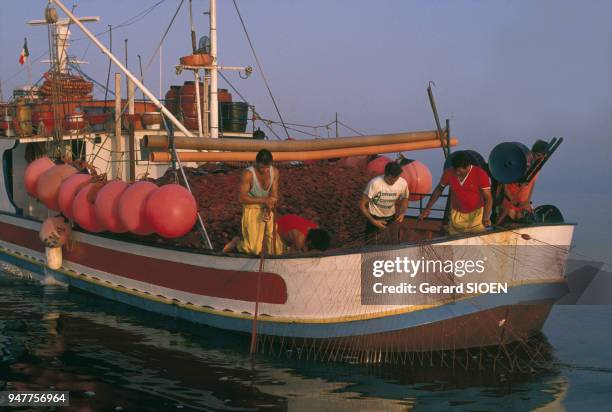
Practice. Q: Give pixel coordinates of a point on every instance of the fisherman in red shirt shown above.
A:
(470, 191)
(302, 235)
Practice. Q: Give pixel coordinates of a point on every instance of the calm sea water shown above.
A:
(112, 357)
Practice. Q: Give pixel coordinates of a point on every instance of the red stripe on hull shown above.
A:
(219, 283)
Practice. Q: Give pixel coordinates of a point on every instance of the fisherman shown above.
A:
(380, 196)
(470, 192)
(516, 203)
(302, 235)
(258, 195)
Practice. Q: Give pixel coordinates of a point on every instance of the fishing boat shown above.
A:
(319, 300)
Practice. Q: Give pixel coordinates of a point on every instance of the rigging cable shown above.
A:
(350, 128)
(260, 68)
(164, 36)
(91, 79)
(110, 31)
(245, 100)
(132, 20)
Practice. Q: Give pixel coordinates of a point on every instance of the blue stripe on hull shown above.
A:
(515, 295)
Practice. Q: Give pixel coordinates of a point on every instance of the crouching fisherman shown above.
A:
(258, 195)
(302, 235)
(470, 193)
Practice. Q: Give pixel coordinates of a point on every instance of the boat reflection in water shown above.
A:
(109, 355)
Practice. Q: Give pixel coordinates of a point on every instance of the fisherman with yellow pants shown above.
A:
(258, 195)
(470, 192)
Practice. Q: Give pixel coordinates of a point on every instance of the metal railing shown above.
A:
(422, 202)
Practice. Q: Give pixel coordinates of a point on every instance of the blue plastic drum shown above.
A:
(509, 162)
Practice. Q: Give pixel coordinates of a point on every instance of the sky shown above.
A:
(503, 70)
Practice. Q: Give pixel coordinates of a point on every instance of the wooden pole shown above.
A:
(436, 118)
(196, 75)
(116, 145)
(337, 135)
(125, 49)
(301, 156)
(244, 145)
(206, 100)
(264, 248)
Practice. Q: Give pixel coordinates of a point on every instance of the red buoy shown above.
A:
(68, 190)
(418, 177)
(171, 210)
(33, 173)
(48, 185)
(131, 207)
(54, 232)
(106, 206)
(83, 210)
(377, 165)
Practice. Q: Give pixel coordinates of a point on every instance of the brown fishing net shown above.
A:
(327, 193)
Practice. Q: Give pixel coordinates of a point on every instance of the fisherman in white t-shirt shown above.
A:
(379, 197)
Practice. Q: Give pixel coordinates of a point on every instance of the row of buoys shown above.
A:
(416, 174)
(142, 208)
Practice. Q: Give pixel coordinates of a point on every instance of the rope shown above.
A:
(605, 263)
(262, 255)
(164, 36)
(263, 75)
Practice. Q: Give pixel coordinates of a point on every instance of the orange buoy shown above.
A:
(378, 165)
(355, 161)
(68, 190)
(171, 210)
(131, 207)
(33, 173)
(83, 209)
(54, 232)
(106, 206)
(48, 185)
(418, 177)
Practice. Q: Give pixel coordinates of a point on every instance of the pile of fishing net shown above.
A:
(325, 192)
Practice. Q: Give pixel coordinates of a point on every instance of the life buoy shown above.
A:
(33, 172)
(171, 210)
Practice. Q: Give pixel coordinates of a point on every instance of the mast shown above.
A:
(137, 82)
(214, 102)
(60, 38)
